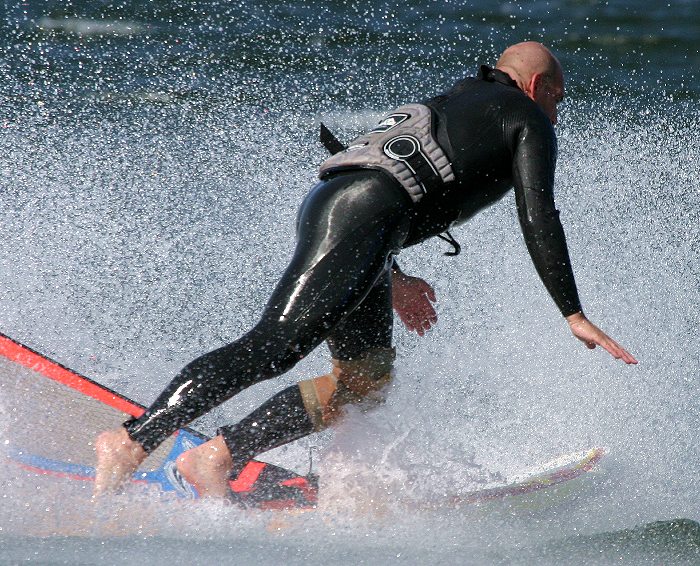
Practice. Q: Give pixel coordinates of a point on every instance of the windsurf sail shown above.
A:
(52, 415)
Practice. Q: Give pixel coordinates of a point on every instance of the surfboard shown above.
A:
(561, 470)
(53, 414)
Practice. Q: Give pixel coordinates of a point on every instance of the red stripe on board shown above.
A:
(248, 476)
(302, 484)
(44, 472)
(22, 355)
(299, 482)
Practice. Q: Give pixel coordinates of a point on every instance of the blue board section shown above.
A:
(53, 467)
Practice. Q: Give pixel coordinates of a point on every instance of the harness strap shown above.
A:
(407, 148)
(451, 240)
(403, 145)
(330, 142)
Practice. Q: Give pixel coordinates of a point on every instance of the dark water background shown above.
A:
(69, 54)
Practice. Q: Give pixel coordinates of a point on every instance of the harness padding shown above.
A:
(403, 145)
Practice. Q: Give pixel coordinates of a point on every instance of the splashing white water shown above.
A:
(128, 250)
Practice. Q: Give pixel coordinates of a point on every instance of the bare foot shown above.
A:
(207, 467)
(117, 458)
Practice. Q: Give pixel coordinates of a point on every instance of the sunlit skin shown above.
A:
(537, 73)
(207, 467)
(117, 458)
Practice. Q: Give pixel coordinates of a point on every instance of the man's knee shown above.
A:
(360, 381)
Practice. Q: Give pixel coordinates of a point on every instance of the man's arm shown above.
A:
(533, 178)
(412, 299)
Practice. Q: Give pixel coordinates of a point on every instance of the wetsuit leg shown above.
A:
(348, 228)
(281, 419)
(285, 417)
(369, 327)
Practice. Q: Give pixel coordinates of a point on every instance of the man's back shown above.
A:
(495, 137)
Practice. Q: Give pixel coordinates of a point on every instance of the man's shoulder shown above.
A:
(476, 97)
(536, 121)
(478, 93)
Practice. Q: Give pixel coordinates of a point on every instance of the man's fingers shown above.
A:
(617, 351)
(614, 351)
(414, 306)
(625, 355)
(628, 358)
(409, 324)
(430, 315)
(418, 324)
(614, 348)
(412, 324)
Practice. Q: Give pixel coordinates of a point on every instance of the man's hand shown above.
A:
(593, 336)
(412, 301)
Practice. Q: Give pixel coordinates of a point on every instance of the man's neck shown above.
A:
(513, 74)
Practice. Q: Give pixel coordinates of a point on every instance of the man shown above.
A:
(425, 168)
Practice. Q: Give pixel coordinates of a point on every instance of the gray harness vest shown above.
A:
(403, 145)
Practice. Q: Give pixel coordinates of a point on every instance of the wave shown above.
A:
(88, 27)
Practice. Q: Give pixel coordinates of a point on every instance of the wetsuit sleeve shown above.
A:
(535, 154)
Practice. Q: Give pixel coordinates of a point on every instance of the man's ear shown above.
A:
(534, 85)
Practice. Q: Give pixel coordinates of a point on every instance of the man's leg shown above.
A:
(363, 357)
(363, 344)
(348, 228)
(281, 419)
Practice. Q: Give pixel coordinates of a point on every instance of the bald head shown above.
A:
(537, 72)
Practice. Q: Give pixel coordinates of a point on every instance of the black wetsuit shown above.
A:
(338, 285)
